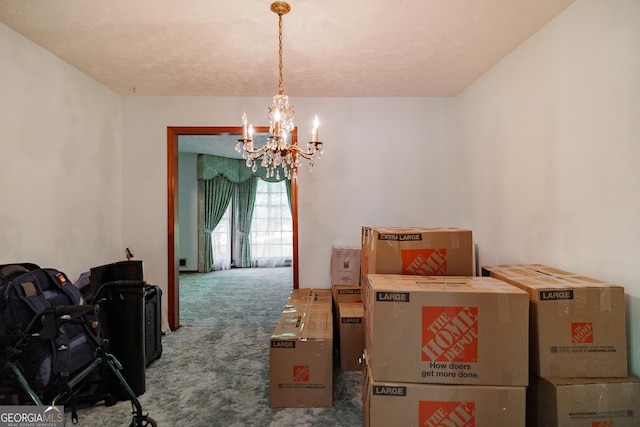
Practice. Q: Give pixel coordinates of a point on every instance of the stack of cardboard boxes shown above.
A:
(439, 350)
(348, 306)
(301, 352)
(578, 336)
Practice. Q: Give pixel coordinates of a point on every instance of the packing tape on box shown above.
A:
(606, 303)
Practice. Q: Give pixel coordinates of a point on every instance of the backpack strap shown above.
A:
(9, 272)
(29, 289)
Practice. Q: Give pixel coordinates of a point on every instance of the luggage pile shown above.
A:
(52, 348)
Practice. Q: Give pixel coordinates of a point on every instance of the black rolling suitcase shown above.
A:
(153, 323)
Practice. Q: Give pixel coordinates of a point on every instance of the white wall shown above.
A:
(61, 162)
(387, 161)
(188, 210)
(548, 150)
(368, 174)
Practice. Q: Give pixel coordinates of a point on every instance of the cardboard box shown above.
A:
(416, 251)
(351, 335)
(583, 402)
(408, 404)
(345, 266)
(305, 296)
(301, 358)
(578, 325)
(299, 297)
(446, 330)
(321, 297)
(342, 293)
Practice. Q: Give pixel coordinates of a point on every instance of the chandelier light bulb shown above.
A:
(314, 132)
(276, 122)
(244, 125)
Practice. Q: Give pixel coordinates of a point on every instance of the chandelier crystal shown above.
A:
(279, 152)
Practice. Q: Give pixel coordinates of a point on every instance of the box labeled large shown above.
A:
(446, 330)
(351, 335)
(301, 358)
(584, 402)
(578, 324)
(345, 266)
(432, 405)
(416, 251)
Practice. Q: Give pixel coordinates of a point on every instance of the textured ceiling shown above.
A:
(336, 48)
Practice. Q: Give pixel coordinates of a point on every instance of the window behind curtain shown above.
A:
(271, 230)
(271, 226)
(221, 242)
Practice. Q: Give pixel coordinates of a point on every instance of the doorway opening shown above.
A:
(173, 281)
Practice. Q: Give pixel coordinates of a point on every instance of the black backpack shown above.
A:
(44, 362)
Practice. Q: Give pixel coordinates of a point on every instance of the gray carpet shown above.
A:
(214, 370)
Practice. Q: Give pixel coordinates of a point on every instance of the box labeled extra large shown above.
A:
(345, 266)
(578, 324)
(342, 293)
(433, 405)
(583, 402)
(301, 358)
(446, 330)
(416, 251)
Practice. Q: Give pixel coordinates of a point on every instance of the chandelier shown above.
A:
(279, 152)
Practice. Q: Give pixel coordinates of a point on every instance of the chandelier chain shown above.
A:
(281, 84)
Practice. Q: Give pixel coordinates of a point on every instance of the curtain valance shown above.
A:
(235, 170)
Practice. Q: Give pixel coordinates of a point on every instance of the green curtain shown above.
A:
(217, 194)
(243, 202)
(233, 172)
(288, 185)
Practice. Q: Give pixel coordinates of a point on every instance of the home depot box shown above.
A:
(409, 404)
(351, 335)
(416, 251)
(446, 330)
(301, 358)
(578, 324)
(583, 402)
(345, 266)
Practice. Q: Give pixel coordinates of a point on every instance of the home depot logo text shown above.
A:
(450, 414)
(424, 262)
(300, 373)
(581, 333)
(450, 334)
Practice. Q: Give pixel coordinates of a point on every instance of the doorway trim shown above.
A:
(173, 132)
